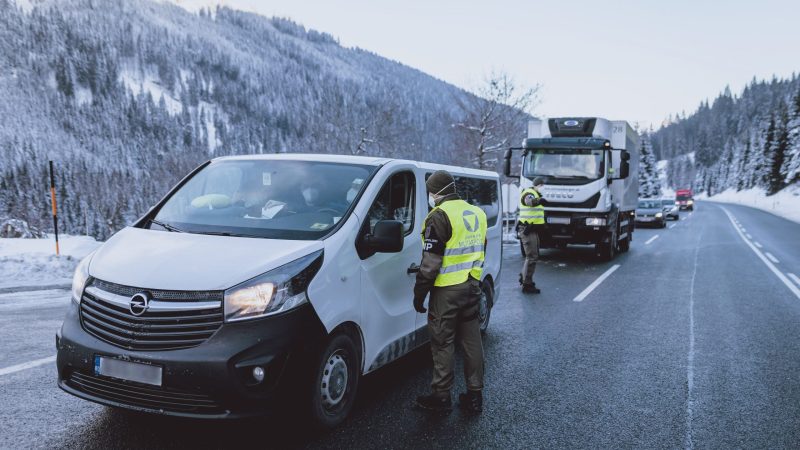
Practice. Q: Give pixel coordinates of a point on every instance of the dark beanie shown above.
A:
(438, 181)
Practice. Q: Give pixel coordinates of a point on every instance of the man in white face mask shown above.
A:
(311, 193)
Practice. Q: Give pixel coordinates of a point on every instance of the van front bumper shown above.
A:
(211, 380)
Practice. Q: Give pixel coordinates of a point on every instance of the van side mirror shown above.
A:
(386, 238)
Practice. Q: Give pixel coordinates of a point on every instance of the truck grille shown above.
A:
(175, 319)
(149, 397)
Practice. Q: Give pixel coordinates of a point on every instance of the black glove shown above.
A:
(418, 304)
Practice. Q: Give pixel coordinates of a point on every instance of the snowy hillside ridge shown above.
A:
(128, 96)
(739, 142)
(33, 262)
(785, 203)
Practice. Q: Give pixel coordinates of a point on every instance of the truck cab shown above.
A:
(590, 168)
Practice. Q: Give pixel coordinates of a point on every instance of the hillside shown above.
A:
(127, 96)
(737, 142)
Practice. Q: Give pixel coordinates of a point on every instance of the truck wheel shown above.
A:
(605, 251)
(335, 382)
(625, 244)
(485, 306)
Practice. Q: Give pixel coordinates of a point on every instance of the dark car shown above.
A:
(650, 212)
(671, 209)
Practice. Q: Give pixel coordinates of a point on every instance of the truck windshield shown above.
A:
(566, 163)
(268, 199)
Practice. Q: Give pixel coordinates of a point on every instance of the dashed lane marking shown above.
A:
(772, 258)
(757, 245)
(672, 226)
(748, 236)
(795, 290)
(794, 278)
(27, 365)
(651, 240)
(595, 283)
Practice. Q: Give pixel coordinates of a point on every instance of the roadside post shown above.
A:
(53, 204)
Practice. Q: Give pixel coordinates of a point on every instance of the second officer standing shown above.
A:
(529, 227)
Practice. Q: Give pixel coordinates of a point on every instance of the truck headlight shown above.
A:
(595, 221)
(659, 214)
(274, 292)
(80, 277)
(690, 202)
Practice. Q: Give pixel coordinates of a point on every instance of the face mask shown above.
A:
(432, 197)
(310, 195)
(351, 195)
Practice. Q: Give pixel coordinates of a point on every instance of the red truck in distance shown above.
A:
(684, 199)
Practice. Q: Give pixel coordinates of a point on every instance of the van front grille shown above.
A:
(174, 320)
(142, 396)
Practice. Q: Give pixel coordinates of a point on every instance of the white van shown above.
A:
(259, 279)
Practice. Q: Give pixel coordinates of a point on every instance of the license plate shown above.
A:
(126, 370)
(558, 220)
(645, 219)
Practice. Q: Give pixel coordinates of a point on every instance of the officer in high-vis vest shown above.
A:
(454, 241)
(531, 221)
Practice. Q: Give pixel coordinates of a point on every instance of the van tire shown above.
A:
(335, 382)
(485, 306)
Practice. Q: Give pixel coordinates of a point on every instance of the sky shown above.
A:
(640, 61)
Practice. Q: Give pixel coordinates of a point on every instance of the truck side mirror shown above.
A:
(626, 155)
(386, 238)
(624, 168)
(507, 163)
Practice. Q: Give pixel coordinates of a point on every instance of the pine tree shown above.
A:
(791, 166)
(649, 184)
(777, 154)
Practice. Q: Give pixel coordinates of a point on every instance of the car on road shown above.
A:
(650, 212)
(260, 282)
(671, 209)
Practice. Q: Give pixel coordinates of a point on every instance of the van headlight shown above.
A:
(595, 221)
(80, 277)
(274, 292)
(659, 214)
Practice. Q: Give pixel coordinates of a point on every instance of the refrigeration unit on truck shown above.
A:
(590, 169)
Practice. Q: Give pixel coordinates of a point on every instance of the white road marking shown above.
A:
(748, 236)
(794, 278)
(651, 239)
(672, 226)
(689, 439)
(757, 245)
(595, 283)
(795, 290)
(743, 230)
(27, 365)
(772, 258)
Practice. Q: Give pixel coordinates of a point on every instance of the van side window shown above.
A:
(395, 202)
(480, 192)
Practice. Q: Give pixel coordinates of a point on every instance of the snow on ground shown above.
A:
(785, 203)
(32, 262)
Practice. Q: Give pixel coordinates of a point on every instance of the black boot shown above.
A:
(530, 289)
(434, 402)
(471, 402)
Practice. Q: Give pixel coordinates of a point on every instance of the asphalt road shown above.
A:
(692, 341)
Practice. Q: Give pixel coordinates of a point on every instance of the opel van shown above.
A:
(259, 280)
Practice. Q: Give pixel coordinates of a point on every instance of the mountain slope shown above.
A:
(127, 96)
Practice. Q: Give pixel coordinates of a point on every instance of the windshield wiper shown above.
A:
(221, 233)
(166, 226)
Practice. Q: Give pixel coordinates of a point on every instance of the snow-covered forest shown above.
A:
(739, 142)
(128, 96)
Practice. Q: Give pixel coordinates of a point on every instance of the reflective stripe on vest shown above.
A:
(530, 214)
(464, 251)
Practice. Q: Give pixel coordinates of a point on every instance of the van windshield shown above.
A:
(267, 199)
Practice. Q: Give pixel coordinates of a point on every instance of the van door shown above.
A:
(387, 285)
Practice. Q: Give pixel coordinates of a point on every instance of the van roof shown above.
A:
(364, 160)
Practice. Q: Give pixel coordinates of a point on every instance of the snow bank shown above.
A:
(32, 262)
(785, 203)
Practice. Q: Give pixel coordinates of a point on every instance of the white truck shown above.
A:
(590, 167)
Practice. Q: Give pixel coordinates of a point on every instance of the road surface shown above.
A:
(692, 339)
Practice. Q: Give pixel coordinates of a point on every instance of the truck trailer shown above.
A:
(590, 166)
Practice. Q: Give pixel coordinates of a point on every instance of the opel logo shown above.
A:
(139, 303)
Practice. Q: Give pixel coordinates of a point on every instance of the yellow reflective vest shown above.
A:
(464, 251)
(530, 214)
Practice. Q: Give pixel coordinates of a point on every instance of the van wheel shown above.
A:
(485, 307)
(335, 382)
